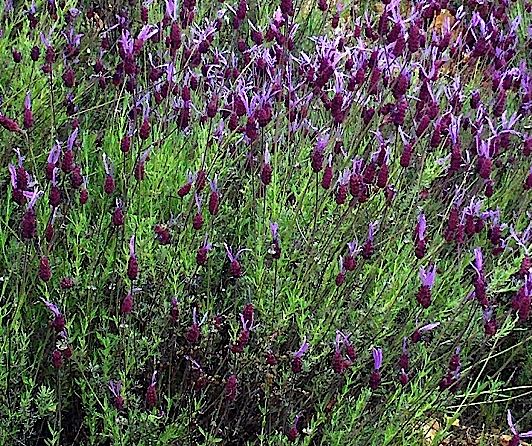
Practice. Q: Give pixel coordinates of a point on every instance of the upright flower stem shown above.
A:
(316, 198)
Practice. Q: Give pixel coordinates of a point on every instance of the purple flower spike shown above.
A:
(377, 358)
(116, 388)
(235, 268)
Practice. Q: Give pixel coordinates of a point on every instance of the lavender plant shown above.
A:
(225, 205)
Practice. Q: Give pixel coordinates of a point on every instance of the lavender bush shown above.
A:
(263, 223)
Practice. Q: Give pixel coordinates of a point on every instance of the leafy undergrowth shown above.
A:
(247, 223)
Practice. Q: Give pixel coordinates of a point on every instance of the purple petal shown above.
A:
(132, 246)
(266, 156)
(147, 31)
(144, 155)
(511, 422)
(478, 260)
(53, 156)
(429, 327)
(13, 175)
(421, 226)
(302, 350)
(229, 253)
(32, 197)
(171, 9)
(274, 229)
(197, 199)
(72, 139)
(52, 307)
(107, 165)
(372, 230)
(377, 358)
(20, 157)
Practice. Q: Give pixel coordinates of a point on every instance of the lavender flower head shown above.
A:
(58, 322)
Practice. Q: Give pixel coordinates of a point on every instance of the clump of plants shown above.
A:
(239, 223)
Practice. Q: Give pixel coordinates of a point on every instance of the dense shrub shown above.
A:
(240, 223)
